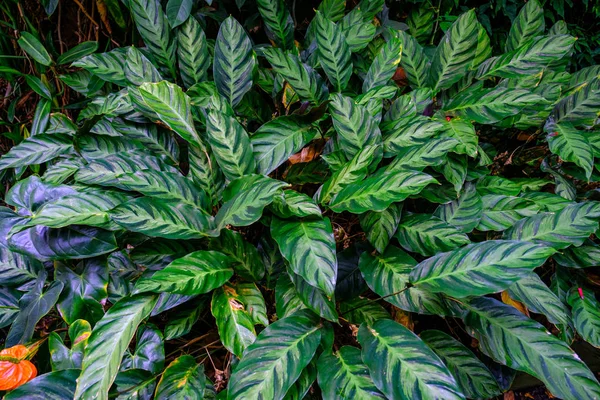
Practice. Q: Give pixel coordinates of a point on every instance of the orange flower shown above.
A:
(14, 369)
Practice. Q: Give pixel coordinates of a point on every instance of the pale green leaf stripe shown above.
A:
(107, 344)
(473, 377)
(272, 364)
(455, 52)
(172, 106)
(401, 364)
(509, 337)
(480, 268)
(334, 53)
(37, 150)
(309, 247)
(384, 65)
(277, 140)
(230, 144)
(343, 375)
(379, 191)
(234, 61)
(534, 293)
(192, 52)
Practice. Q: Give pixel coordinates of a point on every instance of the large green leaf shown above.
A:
(108, 66)
(586, 314)
(581, 107)
(464, 212)
(234, 323)
(277, 140)
(107, 344)
(178, 11)
(427, 235)
(234, 61)
(294, 204)
(334, 53)
(501, 212)
(309, 247)
(379, 191)
(287, 300)
(244, 256)
(160, 141)
(572, 145)
(384, 65)
(479, 268)
(305, 81)
(314, 298)
(138, 69)
(172, 106)
(387, 275)
(455, 52)
(230, 144)
(432, 152)
(34, 48)
(343, 375)
(247, 205)
(183, 378)
(512, 339)
(414, 61)
(160, 218)
(37, 150)
(472, 376)
(192, 52)
(528, 24)
(402, 366)
(405, 132)
(198, 272)
(279, 24)
(379, 227)
(572, 225)
(534, 293)
(272, 364)
(57, 385)
(358, 31)
(153, 26)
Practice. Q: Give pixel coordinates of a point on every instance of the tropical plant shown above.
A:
(316, 195)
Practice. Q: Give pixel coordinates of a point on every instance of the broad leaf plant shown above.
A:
(314, 193)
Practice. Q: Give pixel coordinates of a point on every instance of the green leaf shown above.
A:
(501, 212)
(62, 357)
(182, 323)
(384, 65)
(37, 150)
(586, 314)
(355, 127)
(358, 31)
(571, 145)
(244, 256)
(488, 106)
(81, 50)
(287, 299)
(333, 51)
(420, 23)
(407, 132)
(294, 204)
(305, 81)
(309, 247)
(534, 293)
(480, 268)
(253, 299)
(584, 256)
(472, 376)
(528, 24)
(138, 69)
(277, 140)
(107, 344)
(178, 11)
(529, 59)
(234, 323)
(172, 106)
(431, 153)
(414, 61)
(55, 385)
(394, 354)
(344, 375)
(360, 310)
(183, 378)
(379, 191)
(246, 207)
(379, 227)
(313, 298)
(34, 48)
(160, 218)
(234, 61)
(490, 185)
(464, 212)
(230, 144)
(279, 24)
(387, 275)
(333, 10)
(192, 52)
(456, 51)
(149, 354)
(428, 235)
(153, 26)
(161, 142)
(570, 226)
(272, 364)
(581, 107)
(463, 131)
(520, 343)
(197, 273)
(33, 305)
(108, 66)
